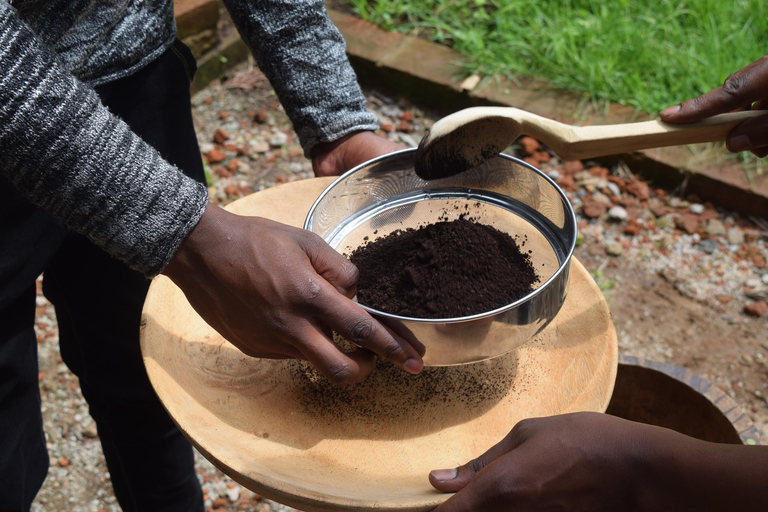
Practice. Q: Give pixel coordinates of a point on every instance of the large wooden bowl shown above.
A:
(282, 431)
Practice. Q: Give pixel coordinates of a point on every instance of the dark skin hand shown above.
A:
(597, 462)
(337, 157)
(747, 89)
(275, 291)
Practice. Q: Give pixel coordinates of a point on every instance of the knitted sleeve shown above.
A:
(304, 57)
(67, 154)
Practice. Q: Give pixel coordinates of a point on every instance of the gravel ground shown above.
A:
(713, 261)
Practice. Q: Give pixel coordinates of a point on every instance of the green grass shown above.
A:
(647, 54)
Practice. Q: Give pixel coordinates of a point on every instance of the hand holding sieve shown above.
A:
(471, 136)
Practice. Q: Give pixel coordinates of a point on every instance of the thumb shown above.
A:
(455, 479)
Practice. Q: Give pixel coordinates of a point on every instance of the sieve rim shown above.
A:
(563, 265)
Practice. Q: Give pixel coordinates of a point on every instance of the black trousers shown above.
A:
(98, 302)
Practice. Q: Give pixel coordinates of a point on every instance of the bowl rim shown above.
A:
(570, 216)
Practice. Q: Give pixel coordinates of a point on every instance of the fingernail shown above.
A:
(670, 111)
(413, 366)
(443, 475)
(739, 143)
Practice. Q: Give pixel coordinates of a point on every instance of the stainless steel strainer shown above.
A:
(384, 195)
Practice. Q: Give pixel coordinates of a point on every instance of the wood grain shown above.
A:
(280, 431)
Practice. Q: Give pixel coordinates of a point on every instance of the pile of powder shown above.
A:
(447, 269)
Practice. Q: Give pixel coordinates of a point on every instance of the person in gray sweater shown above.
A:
(101, 188)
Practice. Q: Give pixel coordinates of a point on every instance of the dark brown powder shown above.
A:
(447, 269)
(390, 393)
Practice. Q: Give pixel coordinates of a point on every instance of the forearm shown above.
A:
(67, 154)
(688, 474)
(304, 56)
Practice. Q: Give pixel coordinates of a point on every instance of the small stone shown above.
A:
(696, 208)
(206, 147)
(542, 156)
(602, 198)
(614, 249)
(756, 309)
(764, 278)
(592, 209)
(404, 126)
(566, 183)
(667, 240)
(233, 165)
(215, 156)
(735, 236)
(90, 431)
(260, 116)
(63, 462)
(554, 175)
(617, 213)
(724, 299)
(278, 139)
(220, 136)
(715, 227)
(391, 111)
(572, 167)
(639, 190)
(614, 188)
(233, 493)
(632, 228)
(753, 283)
(219, 503)
(688, 222)
(259, 146)
(406, 139)
(708, 246)
(529, 145)
(407, 116)
(663, 222)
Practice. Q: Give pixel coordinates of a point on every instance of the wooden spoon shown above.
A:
(471, 136)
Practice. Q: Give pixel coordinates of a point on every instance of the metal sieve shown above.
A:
(384, 195)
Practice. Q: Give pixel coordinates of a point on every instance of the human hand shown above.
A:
(582, 461)
(275, 291)
(337, 157)
(747, 89)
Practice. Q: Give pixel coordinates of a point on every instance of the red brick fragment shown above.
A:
(757, 309)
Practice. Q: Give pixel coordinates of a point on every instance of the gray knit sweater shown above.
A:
(66, 153)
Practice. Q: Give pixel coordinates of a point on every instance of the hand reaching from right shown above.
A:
(747, 89)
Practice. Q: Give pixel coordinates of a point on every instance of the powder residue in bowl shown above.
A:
(447, 269)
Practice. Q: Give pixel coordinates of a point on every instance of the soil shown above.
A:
(447, 269)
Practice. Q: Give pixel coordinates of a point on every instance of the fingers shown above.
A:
(751, 135)
(337, 366)
(397, 328)
(356, 325)
(341, 273)
(739, 91)
(395, 344)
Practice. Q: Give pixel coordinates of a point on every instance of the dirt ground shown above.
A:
(656, 321)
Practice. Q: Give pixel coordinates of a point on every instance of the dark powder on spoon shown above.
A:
(447, 269)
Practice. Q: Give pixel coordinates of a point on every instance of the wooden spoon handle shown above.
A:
(578, 143)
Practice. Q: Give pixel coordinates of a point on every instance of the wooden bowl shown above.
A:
(282, 431)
